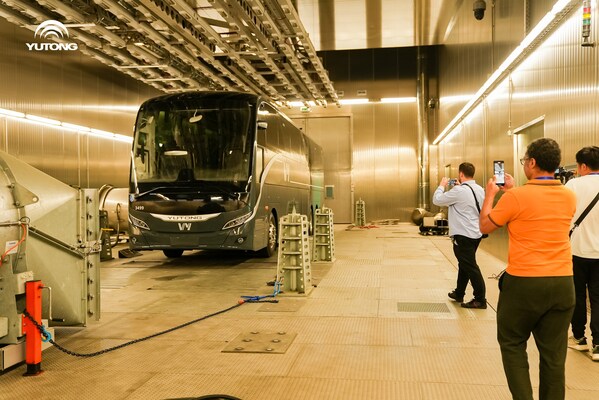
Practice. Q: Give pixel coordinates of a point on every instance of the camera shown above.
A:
(479, 8)
(563, 174)
(452, 182)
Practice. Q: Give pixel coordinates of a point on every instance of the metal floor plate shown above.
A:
(261, 342)
(423, 307)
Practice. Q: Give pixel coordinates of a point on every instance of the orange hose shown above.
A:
(15, 245)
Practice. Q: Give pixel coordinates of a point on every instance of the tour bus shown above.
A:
(216, 170)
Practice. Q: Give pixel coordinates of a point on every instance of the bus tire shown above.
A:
(173, 253)
(273, 235)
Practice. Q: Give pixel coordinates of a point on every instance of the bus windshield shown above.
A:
(193, 144)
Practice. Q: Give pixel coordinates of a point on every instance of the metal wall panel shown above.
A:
(385, 159)
(69, 87)
(377, 161)
(384, 153)
(334, 135)
(558, 84)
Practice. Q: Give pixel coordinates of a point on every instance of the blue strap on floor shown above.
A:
(259, 299)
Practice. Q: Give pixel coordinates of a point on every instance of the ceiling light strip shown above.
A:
(384, 100)
(53, 123)
(530, 42)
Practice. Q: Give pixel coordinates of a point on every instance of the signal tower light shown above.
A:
(586, 24)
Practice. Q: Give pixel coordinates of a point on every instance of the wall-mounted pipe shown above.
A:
(421, 100)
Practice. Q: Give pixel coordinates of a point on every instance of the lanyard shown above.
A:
(545, 178)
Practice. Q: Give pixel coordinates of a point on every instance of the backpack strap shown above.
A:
(485, 235)
(584, 214)
(475, 199)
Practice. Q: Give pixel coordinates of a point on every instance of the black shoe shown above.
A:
(475, 304)
(455, 297)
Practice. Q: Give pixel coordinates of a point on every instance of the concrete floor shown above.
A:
(378, 325)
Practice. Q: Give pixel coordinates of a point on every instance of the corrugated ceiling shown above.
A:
(262, 46)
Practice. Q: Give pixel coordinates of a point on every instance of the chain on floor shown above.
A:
(48, 338)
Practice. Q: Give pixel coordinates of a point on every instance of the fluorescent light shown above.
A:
(100, 132)
(109, 135)
(10, 113)
(46, 121)
(387, 100)
(510, 62)
(76, 128)
(122, 138)
(398, 100)
(96, 107)
(353, 101)
(52, 123)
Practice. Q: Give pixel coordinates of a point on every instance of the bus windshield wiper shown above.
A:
(153, 192)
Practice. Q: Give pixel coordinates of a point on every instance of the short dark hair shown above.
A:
(589, 156)
(546, 153)
(467, 169)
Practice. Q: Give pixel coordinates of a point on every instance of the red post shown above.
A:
(33, 340)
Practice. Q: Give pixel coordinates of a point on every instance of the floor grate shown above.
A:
(423, 307)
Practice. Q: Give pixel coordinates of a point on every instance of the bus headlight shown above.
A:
(237, 221)
(138, 223)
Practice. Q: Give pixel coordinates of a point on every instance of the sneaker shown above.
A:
(455, 297)
(579, 344)
(595, 353)
(475, 304)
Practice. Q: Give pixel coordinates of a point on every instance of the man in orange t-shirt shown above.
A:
(537, 289)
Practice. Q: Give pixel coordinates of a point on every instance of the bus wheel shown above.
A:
(271, 245)
(173, 253)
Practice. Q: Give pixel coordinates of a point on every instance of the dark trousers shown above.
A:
(464, 249)
(586, 276)
(542, 306)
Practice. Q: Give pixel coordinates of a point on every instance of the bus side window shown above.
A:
(268, 137)
(259, 163)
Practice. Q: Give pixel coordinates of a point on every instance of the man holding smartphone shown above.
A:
(463, 202)
(537, 290)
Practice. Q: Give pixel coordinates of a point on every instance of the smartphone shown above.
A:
(452, 182)
(499, 172)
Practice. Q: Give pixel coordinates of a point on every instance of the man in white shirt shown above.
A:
(464, 201)
(585, 250)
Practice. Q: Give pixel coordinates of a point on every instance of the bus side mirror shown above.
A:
(262, 124)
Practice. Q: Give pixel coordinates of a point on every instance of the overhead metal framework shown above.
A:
(257, 46)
